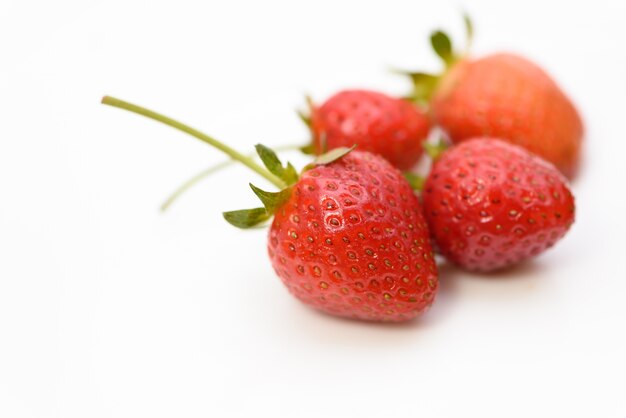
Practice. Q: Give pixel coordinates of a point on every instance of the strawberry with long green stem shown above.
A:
(348, 236)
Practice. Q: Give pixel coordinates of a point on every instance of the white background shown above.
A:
(110, 309)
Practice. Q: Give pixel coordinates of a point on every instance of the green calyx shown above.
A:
(332, 155)
(442, 45)
(269, 158)
(306, 118)
(416, 182)
(305, 115)
(425, 84)
(248, 218)
(434, 151)
(272, 201)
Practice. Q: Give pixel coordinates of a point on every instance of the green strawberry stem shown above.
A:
(233, 154)
(191, 182)
(206, 173)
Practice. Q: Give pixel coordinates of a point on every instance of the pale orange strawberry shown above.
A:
(505, 96)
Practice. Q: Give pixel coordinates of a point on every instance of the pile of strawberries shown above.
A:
(355, 233)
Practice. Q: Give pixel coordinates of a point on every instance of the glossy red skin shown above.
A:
(509, 97)
(351, 241)
(490, 204)
(391, 127)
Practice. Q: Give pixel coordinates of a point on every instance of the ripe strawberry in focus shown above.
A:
(348, 236)
(505, 96)
(391, 127)
(490, 204)
(351, 241)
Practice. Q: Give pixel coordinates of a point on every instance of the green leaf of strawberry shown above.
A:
(332, 155)
(271, 200)
(305, 118)
(424, 85)
(305, 115)
(271, 161)
(443, 46)
(308, 149)
(246, 218)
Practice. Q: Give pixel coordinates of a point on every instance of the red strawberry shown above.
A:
(391, 127)
(348, 236)
(351, 241)
(490, 204)
(504, 96)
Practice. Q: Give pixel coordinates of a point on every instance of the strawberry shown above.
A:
(391, 127)
(490, 204)
(505, 96)
(348, 236)
(351, 241)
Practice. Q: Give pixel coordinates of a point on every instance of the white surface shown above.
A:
(109, 309)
